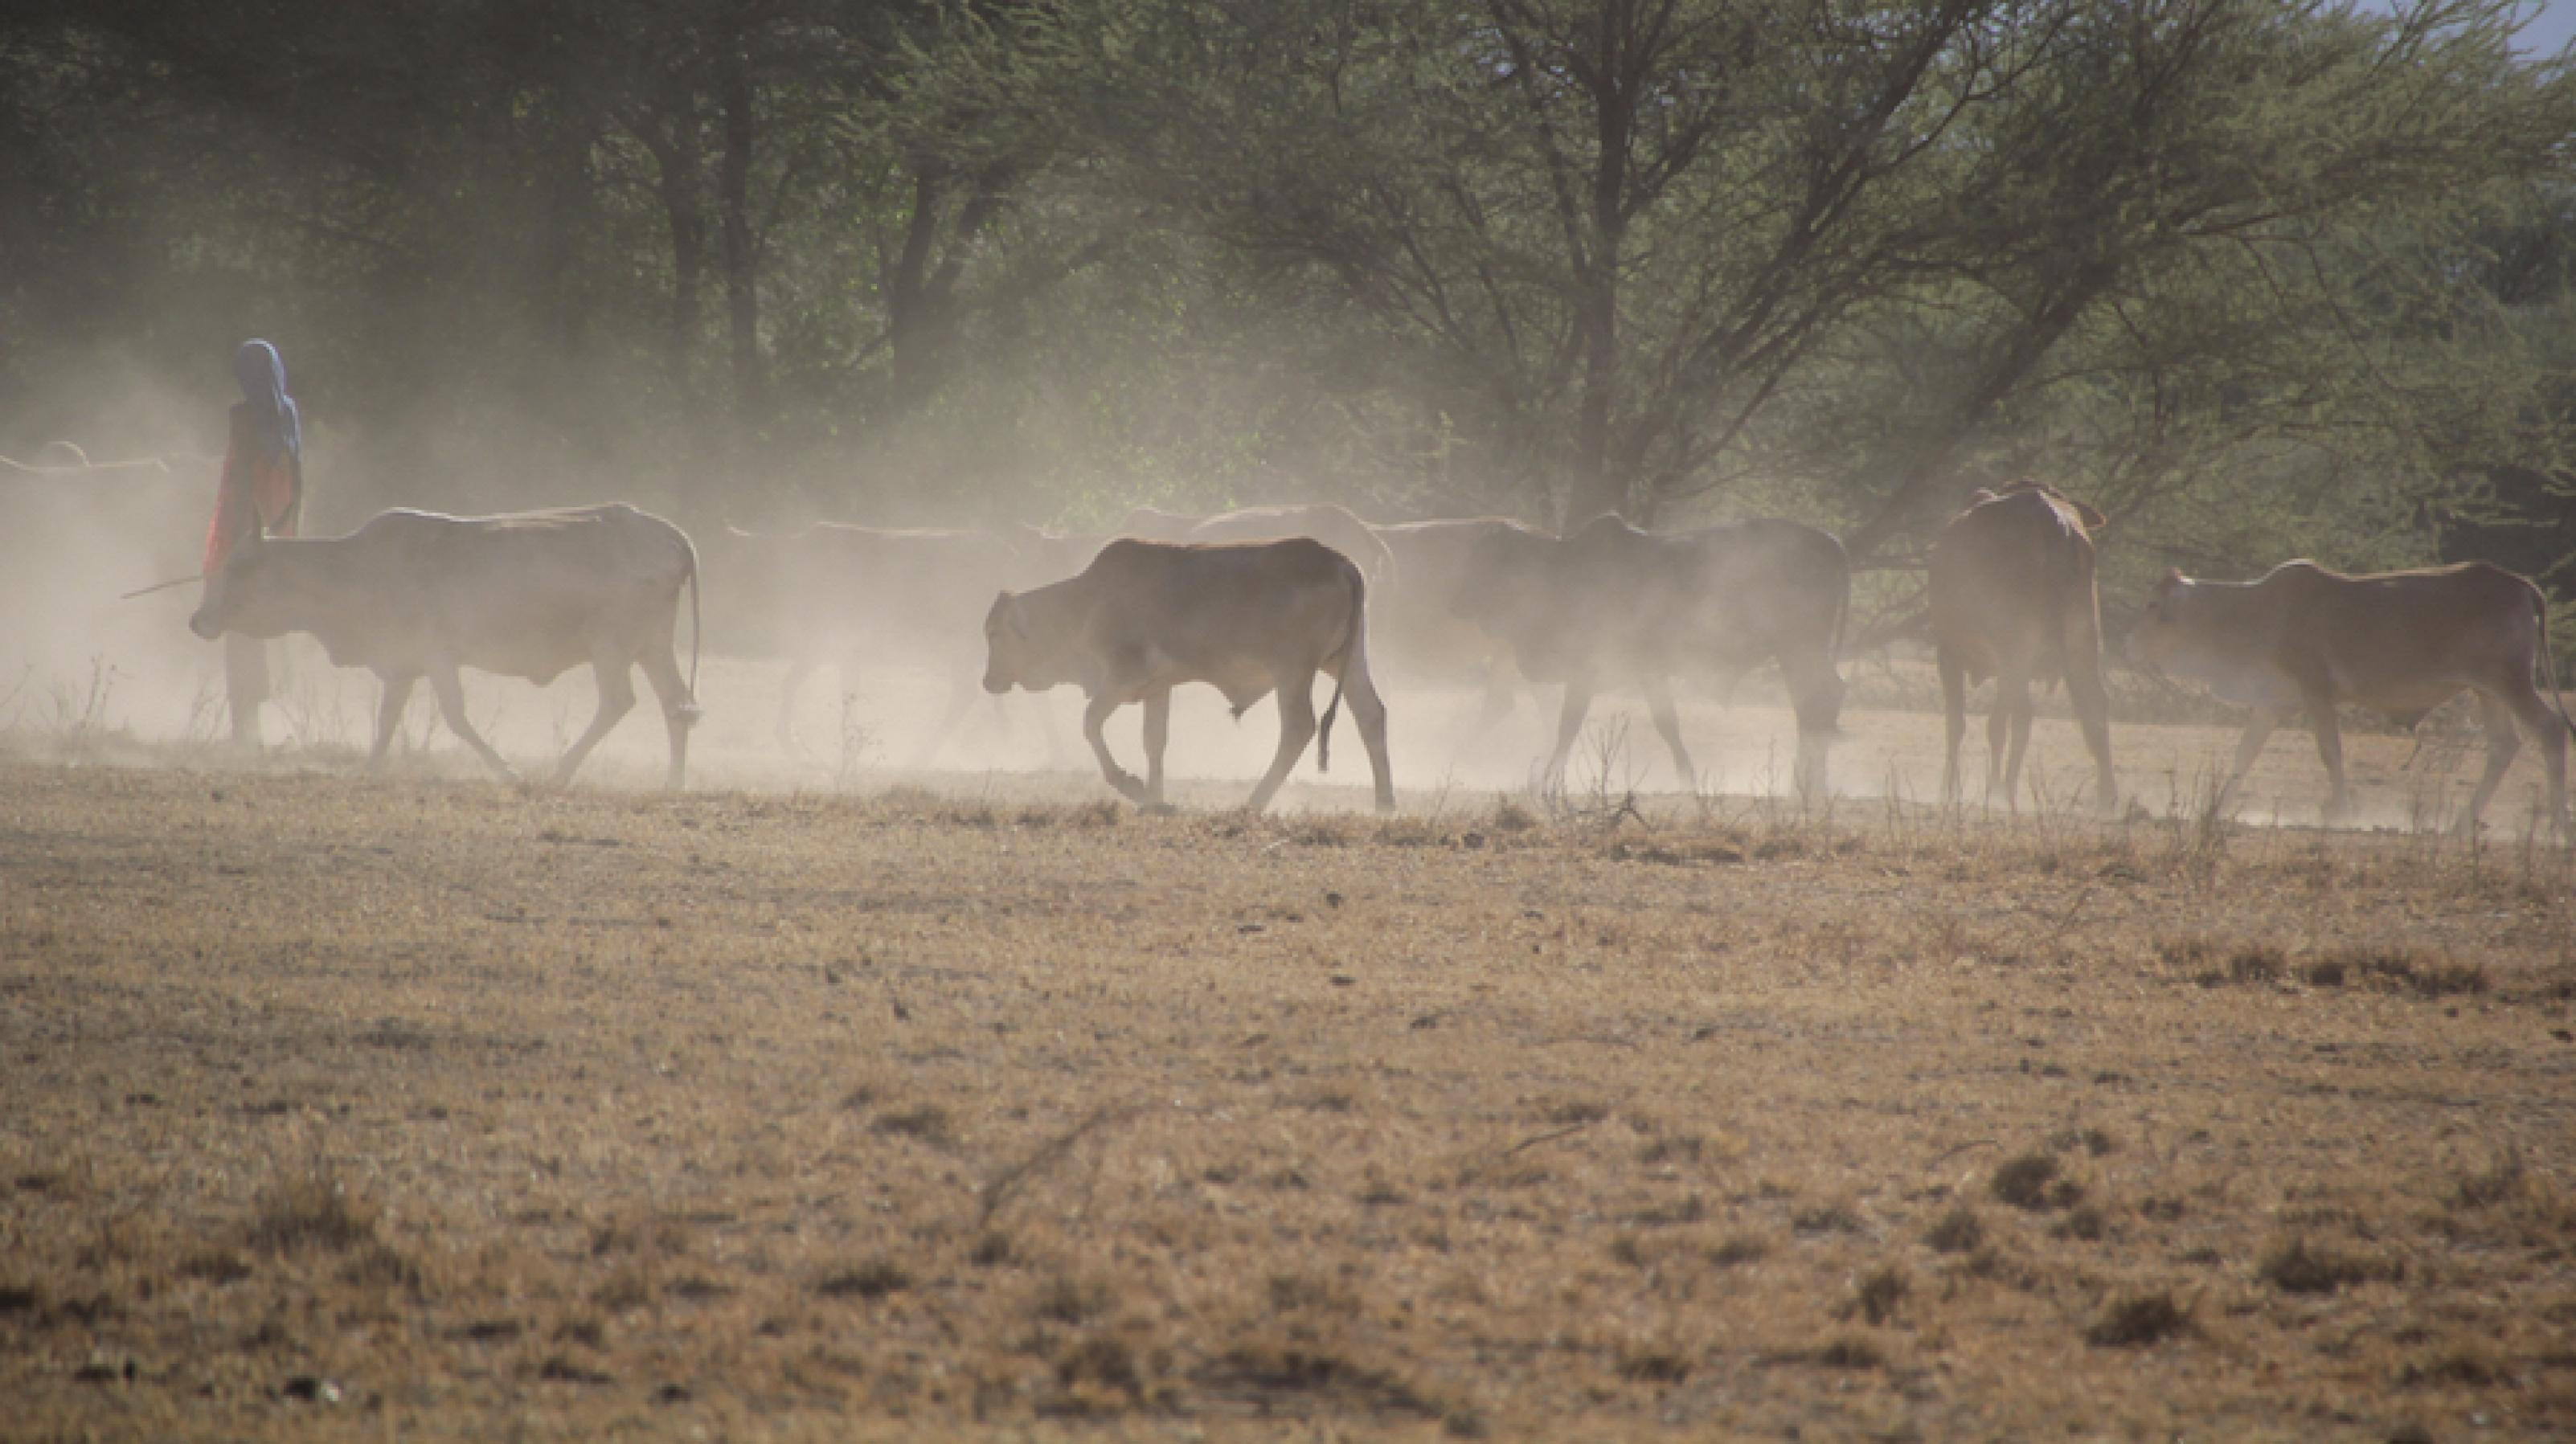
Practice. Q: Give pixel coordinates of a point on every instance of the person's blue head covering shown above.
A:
(262, 374)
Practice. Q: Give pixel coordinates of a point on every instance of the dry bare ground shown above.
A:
(424, 1108)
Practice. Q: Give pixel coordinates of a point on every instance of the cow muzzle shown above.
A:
(203, 623)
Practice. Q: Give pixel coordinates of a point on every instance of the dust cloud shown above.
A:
(90, 673)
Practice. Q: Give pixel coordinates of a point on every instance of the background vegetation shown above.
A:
(2259, 278)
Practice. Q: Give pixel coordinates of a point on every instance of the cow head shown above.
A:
(1016, 654)
(2164, 631)
(245, 594)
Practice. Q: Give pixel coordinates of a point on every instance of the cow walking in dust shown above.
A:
(2302, 638)
(412, 594)
(1249, 619)
(1611, 606)
(857, 598)
(1420, 629)
(2014, 598)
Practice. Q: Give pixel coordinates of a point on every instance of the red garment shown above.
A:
(274, 487)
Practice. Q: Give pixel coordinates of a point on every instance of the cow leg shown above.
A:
(797, 671)
(2092, 703)
(1158, 731)
(1954, 721)
(2016, 691)
(1296, 729)
(1502, 682)
(1368, 712)
(616, 699)
(1668, 723)
(2258, 730)
(2504, 743)
(2549, 734)
(679, 709)
(1998, 738)
(1094, 717)
(1569, 725)
(389, 715)
(450, 691)
(2329, 733)
(246, 686)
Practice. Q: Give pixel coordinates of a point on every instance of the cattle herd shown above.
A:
(1258, 601)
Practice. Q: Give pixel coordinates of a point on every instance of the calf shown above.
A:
(2302, 638)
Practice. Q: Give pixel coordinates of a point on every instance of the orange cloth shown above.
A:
(273, 487)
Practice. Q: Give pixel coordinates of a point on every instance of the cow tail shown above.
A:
(2548, 663)
(1350, 639)
(697, 630)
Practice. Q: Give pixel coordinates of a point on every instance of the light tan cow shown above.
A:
(1246, 618)
(413, 594)
(1334, 526)
(2014, 598)
(1420, 627)
(1613, 607)
(859, 598)
(2302, 638)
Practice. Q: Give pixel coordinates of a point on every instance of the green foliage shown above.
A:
(2257, 277)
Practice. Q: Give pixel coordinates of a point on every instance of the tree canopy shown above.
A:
(2256, 277)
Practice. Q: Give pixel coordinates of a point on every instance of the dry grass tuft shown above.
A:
(1099, 1374)
(1878, 1294)
(2401, 970)
(2502, 1181)
(2298, 1266)
(872, 1278)
(1742, 1248)
(1958, 1231)
(925, 1121)
(2033, 1183)
(2136, 1320)
(312, 1209)
(1849, 1351)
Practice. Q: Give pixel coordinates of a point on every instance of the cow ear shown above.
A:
(2093, 520)
(1983, 495)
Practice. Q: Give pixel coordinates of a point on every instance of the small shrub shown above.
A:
(871, 1279)
(2494, 1184)
(2031, 1182)
(2299, 1267)
(311, 1210)
(1850, 1351)
(1825, 1218)
(2084, 1223)
(1741, 1249)
(1958, 1231)
(2134, 1321)
(1881, 1292)
(1068, 1300)
(1653, 1363)
(927, 1122)
(2261, 963)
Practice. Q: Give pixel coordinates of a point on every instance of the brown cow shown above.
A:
(1612, 606)
(1246, 618)
(2302, 638)
(2013, 598)
(1421, 630)
(412, 594)
(855, 597)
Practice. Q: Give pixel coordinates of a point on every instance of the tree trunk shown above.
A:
(741, 259)
(1927, 469)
